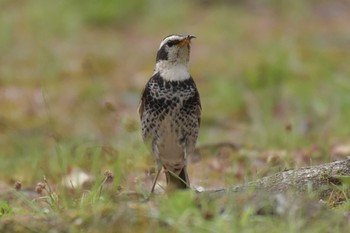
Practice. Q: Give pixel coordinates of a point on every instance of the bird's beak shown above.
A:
(186, 41)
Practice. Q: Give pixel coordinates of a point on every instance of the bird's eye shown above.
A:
(172, 43)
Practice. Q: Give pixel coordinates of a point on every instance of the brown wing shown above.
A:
(145, 111)
(199, 108)
(141, 107)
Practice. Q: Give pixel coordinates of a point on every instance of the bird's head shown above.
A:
(175, 49)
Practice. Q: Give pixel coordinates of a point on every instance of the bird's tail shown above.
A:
(180, 181)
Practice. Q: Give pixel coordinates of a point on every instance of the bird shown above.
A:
(170, 111)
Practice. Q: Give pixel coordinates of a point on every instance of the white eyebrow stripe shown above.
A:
(173, 37)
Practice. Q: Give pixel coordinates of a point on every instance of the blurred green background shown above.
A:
(272, 75)
(273, 78)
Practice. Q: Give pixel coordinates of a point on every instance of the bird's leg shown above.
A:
(159, 168)
(186, 174)
(155, 180)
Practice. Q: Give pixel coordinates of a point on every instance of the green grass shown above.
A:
(273, 77)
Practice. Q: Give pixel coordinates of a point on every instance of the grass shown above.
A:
(273, 77)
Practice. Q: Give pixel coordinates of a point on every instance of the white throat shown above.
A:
(172, 71)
